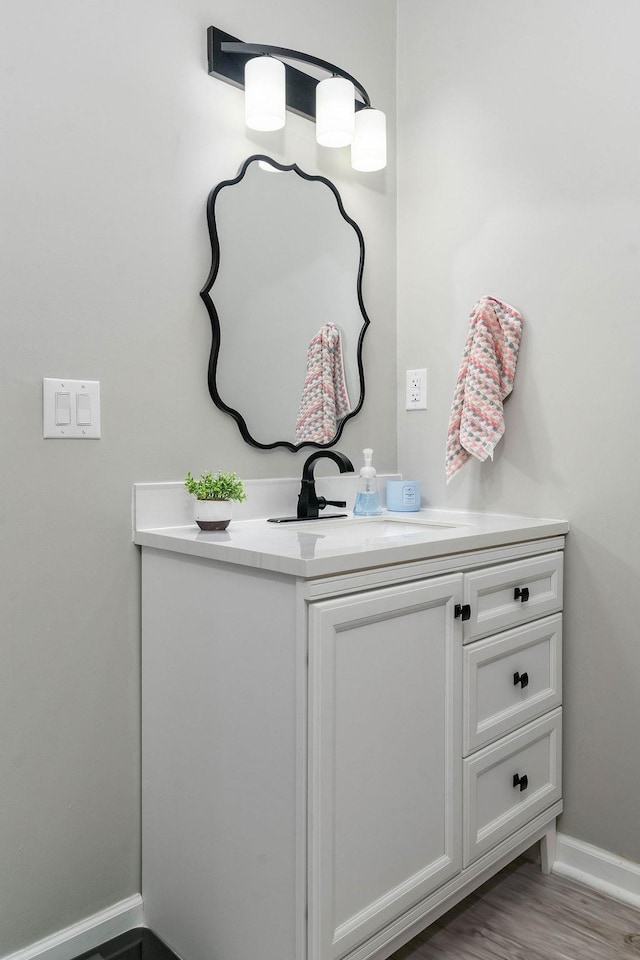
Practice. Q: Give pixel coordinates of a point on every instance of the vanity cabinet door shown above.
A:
(384, 757)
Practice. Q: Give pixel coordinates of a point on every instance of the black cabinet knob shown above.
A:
(521, 678)
(522, 782)
(521, 594)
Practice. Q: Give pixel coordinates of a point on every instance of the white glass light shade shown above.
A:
(369, 147)
(335, 112)
(264, 93)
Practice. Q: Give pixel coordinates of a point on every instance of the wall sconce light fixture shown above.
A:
(272, 86)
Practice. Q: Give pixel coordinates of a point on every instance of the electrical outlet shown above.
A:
(416, 390)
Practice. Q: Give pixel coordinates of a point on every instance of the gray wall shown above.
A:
(519, 177)
(112, 136)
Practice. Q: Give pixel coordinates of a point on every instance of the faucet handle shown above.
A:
(323, 502)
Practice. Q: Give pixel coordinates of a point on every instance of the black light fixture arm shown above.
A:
(227, 56)
(261, 49)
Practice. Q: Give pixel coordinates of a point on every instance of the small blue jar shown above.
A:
(403, 495)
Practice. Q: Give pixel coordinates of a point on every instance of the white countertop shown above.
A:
(330, 547)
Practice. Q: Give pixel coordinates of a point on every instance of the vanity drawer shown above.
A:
(512, 593)
(510, 782)
(510, 679)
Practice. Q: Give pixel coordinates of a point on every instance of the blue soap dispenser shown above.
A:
(368, 499)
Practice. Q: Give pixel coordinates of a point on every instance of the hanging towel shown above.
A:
(485, 379)
(324, 396)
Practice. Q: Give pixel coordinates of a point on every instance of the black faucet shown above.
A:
(309, 503)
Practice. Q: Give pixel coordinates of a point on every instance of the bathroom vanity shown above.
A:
(347, 725)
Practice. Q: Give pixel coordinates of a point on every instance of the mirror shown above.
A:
(284, 296)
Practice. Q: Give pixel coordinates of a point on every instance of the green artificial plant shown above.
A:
(216, 486)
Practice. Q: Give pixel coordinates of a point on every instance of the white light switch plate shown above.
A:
(71, 409)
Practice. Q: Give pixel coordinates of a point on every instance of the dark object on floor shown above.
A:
(137, 944)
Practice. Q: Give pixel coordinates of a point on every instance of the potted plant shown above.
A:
(214, 493)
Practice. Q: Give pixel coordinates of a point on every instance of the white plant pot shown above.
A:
(212, 514)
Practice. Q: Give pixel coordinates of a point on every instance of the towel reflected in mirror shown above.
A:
(325, 400)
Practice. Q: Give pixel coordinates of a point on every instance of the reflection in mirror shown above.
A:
(284, 296)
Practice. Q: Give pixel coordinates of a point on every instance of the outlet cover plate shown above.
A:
(416, 390)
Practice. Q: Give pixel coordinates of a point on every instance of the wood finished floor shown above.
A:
(523, 915)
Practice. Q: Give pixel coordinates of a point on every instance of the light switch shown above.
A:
(71, 409)
(83, 409)
(63, 408)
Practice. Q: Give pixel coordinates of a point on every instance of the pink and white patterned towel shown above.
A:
(485, 379)
(325, 400)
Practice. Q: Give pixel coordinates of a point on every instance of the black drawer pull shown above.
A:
(463, 611)
(521, 594)
(521, 678)
(522, 782)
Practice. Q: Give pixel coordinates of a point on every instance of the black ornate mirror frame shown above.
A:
(215, 323)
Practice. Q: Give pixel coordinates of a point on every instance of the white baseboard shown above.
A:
(87, 934)
(612, 875)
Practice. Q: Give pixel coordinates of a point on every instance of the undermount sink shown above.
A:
(372, 528)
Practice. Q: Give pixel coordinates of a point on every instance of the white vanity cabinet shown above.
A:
(329, 763)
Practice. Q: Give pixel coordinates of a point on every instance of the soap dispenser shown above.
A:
(368, 499)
